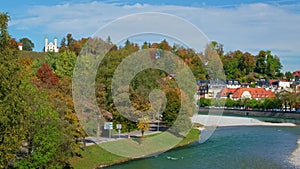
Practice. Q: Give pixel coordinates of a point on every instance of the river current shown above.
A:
(229, 148)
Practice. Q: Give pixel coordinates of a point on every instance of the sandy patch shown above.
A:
(211, 120)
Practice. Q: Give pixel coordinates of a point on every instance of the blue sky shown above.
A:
(249, 25)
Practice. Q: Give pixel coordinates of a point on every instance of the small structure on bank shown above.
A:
(20, 46)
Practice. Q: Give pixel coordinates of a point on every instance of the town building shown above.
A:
(233, 84)
(202, 88)
(263, 82)
(210, 88)
(297, 73)
(252, 93)
(226, 93)
(280, 85)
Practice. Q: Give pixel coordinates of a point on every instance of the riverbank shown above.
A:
(289, 116)
(98, 157)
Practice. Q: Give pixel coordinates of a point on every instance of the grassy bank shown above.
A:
(96, 156)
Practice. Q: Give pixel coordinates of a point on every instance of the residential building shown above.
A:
(263, 82)
(233, 84)
(227, 92)
(297, 73)
(252, 93)
(202, 88)
(210, 88)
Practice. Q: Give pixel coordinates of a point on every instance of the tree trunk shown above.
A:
(84, 144)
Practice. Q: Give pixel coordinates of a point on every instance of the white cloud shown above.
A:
(246, 27)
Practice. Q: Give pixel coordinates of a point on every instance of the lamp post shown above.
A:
(98, 126)
(159, 116)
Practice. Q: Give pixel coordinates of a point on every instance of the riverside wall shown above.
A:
(276, 114)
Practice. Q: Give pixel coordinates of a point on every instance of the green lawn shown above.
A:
(96, 156)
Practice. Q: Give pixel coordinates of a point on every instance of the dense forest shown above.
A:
(39, 127)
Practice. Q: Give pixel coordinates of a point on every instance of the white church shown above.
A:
(51, 47)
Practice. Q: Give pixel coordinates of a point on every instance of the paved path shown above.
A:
(96, 140)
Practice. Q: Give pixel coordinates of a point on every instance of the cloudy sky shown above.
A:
(249, 25)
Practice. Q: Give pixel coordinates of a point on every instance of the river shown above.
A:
(229, 148)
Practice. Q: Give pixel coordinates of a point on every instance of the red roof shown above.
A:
(254, 92)
(297, 73)
(273, 80)
(226, 91)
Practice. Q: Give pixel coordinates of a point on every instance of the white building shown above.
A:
(284, 84)
(233, 84)
(20, 46)
(51, 47)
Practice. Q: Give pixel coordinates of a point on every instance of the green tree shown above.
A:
(145, 45)
(28, 126)
(213, 64)
(289, 76)
(252, 103)
(47, 143)
(273, 65)
(12, 98)
(70, 40)
(62, 63)
(63, 45)
(229, 103)
(28, 45)
(231, 64)
(261, 62)
(218, 47)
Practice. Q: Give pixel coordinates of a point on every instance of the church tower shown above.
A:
(55, 41)
(46, 44)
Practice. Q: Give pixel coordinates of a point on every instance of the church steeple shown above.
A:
(46, 44)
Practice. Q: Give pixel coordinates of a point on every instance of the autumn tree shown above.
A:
(27, 44)
(47, 76)
(273, 65)
(143, 125)
(247, 63)
(13, 44)
(289, 75)
(70, 44)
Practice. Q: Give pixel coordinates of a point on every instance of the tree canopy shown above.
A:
(27, 44)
